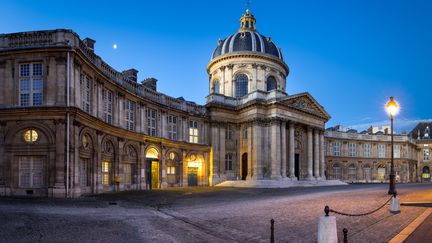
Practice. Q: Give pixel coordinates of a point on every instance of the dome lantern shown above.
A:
(247, 22)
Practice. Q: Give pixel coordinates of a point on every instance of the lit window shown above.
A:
(367, 150)
(31, 136)
(106, 180)
(241, 85)
(151, 122)
(426, 154)
(85, 141)
(172, 127)
(381, 151)
(271, 83)
(107, 97)
(171, 170)
(86, 93)
(193, 132)
(31, 84)
(352, 149)
(381, 173)
(336, 148)
(129, 107)
(172, 156)
(426, 173)
(228, 162)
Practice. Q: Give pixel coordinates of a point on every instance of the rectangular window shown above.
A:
(127, 171)
(84, 172)
(106, 177)
(229, 133)
(381, 150)
(129, 107)
(228, 162)
(151, 122)
(31, 172)
(193, 132)
(86, 93)
(336, 149)
(107, 97)
(31, 84)
(352, 149)
(172, 127)
(396, 151)
(245, 133)
(367, 150)
(171, 170)
(426, 154)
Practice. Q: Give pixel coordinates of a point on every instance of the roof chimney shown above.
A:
(89, 43)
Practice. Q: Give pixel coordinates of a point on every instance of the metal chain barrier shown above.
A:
(327, 209)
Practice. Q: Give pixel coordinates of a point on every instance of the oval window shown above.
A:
(31, 136)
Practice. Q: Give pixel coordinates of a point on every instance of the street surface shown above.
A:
(209, 215)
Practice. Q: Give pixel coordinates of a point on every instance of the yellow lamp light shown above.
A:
(392, 107)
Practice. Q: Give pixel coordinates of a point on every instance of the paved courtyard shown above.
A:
(209, 215)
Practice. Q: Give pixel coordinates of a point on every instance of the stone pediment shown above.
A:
(306, 103)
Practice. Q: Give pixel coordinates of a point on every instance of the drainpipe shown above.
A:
(67, 124)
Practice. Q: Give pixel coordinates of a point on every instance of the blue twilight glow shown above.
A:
(350, 55)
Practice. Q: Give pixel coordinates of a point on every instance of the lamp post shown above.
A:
(392, 108)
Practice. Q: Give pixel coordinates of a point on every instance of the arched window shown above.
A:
(241, 85)
(381, 172)
(271, 83)
(216, 87)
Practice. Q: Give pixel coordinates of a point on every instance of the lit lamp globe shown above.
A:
(392, 107)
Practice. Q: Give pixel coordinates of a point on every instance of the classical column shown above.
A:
(284, 152)
(249, 152)
(222, 142)
(316, 154)
(309, 153)
(275, 151)
(322, 156)
(257, 152)
(291, 152)
(215, 153)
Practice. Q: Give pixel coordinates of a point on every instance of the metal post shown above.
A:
(345, 234)
(272, 231)
(392, 186)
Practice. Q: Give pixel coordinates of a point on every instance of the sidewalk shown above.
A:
(419, 231)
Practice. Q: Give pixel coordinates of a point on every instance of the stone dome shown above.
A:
(247, 39)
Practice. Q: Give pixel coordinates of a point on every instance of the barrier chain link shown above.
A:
(361, 214)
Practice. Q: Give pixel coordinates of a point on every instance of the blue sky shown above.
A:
(350, 55)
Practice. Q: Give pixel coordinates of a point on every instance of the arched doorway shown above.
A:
(152, 168)
(426, 174)
(244, 166)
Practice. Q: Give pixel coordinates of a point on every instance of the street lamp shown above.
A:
(392, 108)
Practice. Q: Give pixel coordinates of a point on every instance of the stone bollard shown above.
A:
(327, 231)
(395, 204)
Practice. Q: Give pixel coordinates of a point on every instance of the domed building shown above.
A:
(70, 124)
(258, 131)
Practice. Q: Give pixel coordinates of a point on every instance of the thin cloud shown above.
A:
(400, 124)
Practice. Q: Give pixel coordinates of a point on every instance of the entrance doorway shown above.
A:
(152, 168)
(426, 174)
(297, 165)
(244, 166)
(192, 176)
